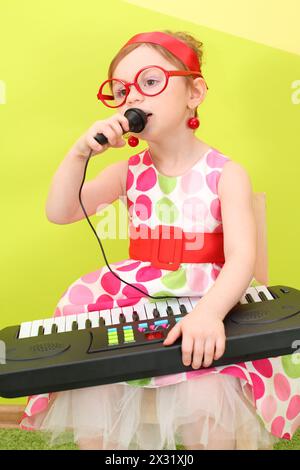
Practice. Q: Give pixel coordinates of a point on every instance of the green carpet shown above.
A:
(24, 440)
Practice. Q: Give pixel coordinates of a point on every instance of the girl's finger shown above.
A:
(198, 353)
(174, 333)
(220, 348)
(187, 349)
(209, 351)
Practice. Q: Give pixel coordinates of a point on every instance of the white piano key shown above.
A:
(174, 304)
(25, 329)
(140, 310)
(186, 302)
(47, 324)
(128, 311)
(69, 321)
(35, 327)
(106, 314)
(81, 319)
(115, 315)
(194, 301)
(161, 306)
(243, 299)
(94, 317)
(253, 292)
(265, 290)
(61, 324)
(149, 307)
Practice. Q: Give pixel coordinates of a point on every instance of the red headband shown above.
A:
(181, 50)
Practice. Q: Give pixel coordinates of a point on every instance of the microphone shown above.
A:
(137, 121)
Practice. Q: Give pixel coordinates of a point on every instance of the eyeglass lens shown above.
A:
(151, 81)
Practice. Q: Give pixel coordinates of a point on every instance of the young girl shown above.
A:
(243, 406)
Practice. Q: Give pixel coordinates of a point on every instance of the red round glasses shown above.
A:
(149, 81)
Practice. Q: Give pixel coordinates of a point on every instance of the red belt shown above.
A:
(175, 247)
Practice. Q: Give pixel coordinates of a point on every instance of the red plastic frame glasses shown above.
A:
(127, 85)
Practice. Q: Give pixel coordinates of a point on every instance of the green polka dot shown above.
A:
(166, 210)
(139, 382)
(167, 184)
(161, 293)
(291, 365)
(175, 279)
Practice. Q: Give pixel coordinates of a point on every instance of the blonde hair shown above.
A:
(185, 37)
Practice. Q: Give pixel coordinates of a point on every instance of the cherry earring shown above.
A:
(133, 141)
(193, 123)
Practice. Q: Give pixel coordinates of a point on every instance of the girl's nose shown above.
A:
(134, 95)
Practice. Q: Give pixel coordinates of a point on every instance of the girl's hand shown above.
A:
(112, 128)
(203, 338)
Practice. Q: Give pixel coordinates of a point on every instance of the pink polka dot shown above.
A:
(129, 291)
(235, 371)
(130, 207)
(73, 309)
(294, 407)
(258, 386)
(282, 387)
(129, 267)
(103, 302)
(277, 426)
(127, 302)
(80, 295)
(147, 273)
(91, 277)
(215, 209)
(218, 228)
(192, 182)
(268, 408)
(130, 179)
(146, 180)
(264, 367)
(197, 278)
(215, 273)
(215, 159)
(195, 209)
(212, 180)
(143, 207)
(147, 158)
(57, 312)
(134, 160)
(110, 283)
(39, 405)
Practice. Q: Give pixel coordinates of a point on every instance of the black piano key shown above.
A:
(170, 310)
(262, 295)
(101, 321)
(54, 328)
(88, 323)
(74, 326)
(249, 298)
(156, 313)
(135, 316)
(40, 330)
(183, 309)
(122, 318)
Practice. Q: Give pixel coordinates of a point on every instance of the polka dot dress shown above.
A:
(189, 201)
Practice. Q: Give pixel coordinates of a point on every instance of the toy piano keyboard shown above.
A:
(122, 344)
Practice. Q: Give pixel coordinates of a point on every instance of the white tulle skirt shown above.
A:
(209, 412)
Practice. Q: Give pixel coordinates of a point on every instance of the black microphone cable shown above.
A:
(99, 241)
